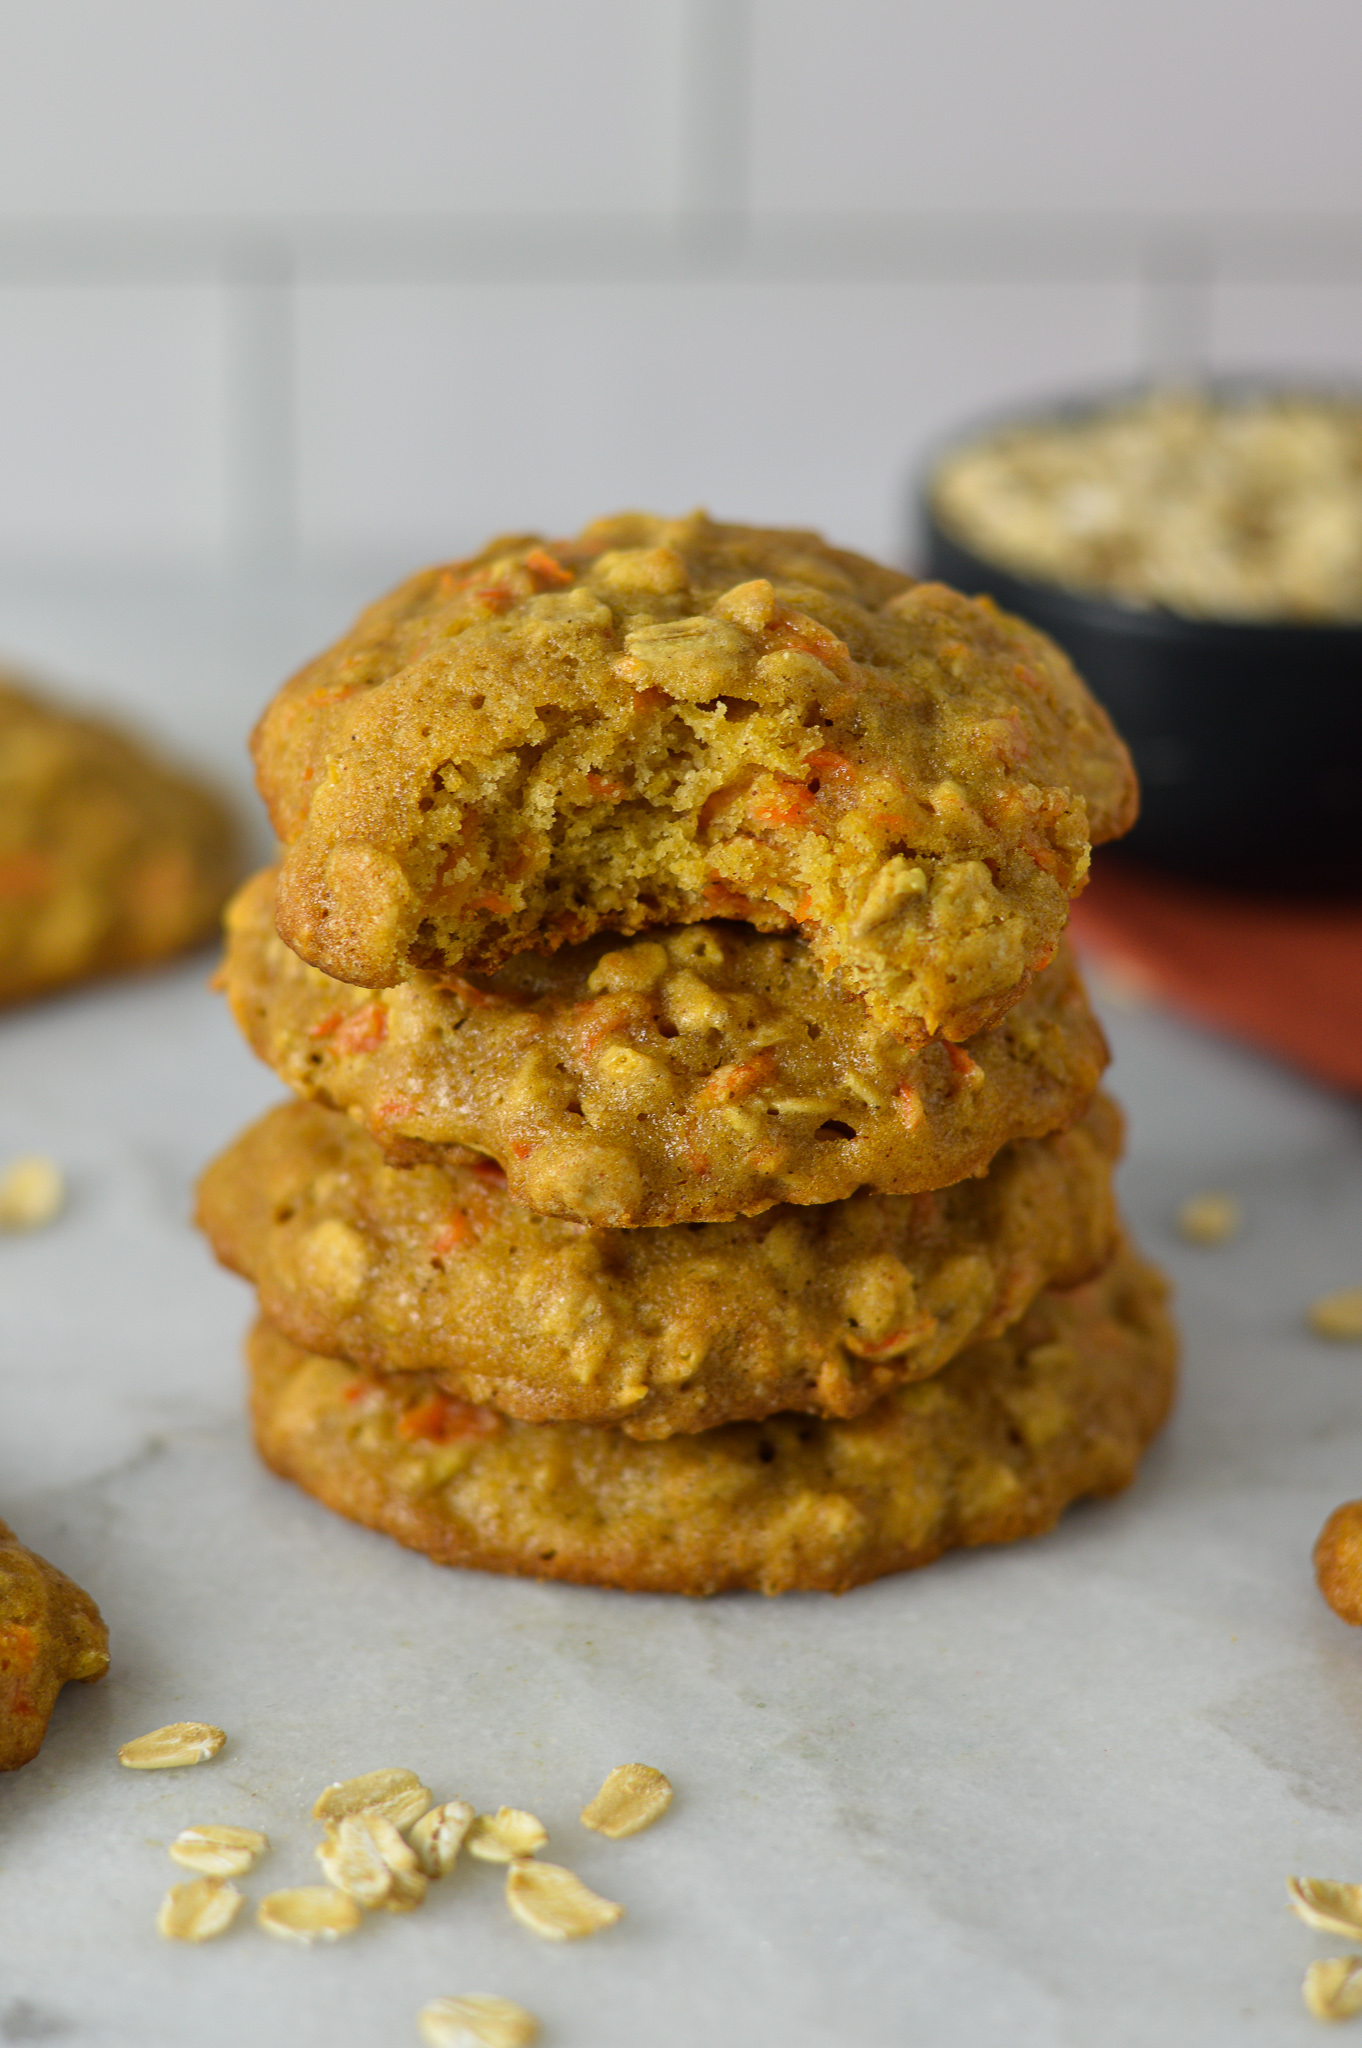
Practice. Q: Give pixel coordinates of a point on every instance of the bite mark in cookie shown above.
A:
(664, 721)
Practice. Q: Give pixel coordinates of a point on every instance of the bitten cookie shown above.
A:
(50, 1633)
(663, 721)
(991, 1449)
(108, 858)
(424, 1269)
(695, 1073)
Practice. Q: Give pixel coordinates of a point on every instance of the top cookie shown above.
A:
(108, 858)
(663, 721)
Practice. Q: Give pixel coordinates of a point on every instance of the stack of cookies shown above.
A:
(698, 1176)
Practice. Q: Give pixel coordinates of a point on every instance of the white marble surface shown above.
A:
(1046, 1795)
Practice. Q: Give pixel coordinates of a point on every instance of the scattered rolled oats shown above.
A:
(1210, 1219)
(477, 2020)
(308, 1912)
(172, 1748)
(219, 1852)
(199, 1910)
(502, 1836)
(1333, 1908)
(398, 1795)
(31, 1193)
(554, 1903)
(631, 1799)
(1338, 1315)
(1332, 1989)
(439, 1835)
(364, 1856)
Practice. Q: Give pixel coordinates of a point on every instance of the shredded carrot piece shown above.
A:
(725, 901)
(966, 1068)
(737, 1080)
(787, 805)
(363, 1031)
(910, 1106)
(830, 766)
(324, 1026)
(802, 635)
(443, 1419)
(24, 874)
(593, 1022)
(457, 1230)
(492, 597)
(547, 573)
(501, 906)
(606, 786)
(396, 1106)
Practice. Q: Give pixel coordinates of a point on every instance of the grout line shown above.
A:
(715, 238)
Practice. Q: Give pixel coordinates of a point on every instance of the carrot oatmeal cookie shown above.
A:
(50, 1633)
(663, 721)
(695, 1072)
(991, 1449)
(436, 1271)
(108, 858)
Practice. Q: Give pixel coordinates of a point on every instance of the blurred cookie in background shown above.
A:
(110, 858)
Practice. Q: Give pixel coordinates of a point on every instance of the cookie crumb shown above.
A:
(1332, 1989)
(219, 1852)
(172, 1748)
(32, 1191)
(1210, 1219)
(554, 1903)
(308, 1912)
(1338, 1561)
(506, 1835)
(200, 1910)
(1338, 1315)
(479, 2019)
(631, 1799)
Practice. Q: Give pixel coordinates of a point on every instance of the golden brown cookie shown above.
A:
(694, 1073)
(1338, 1561)
(108, 858)
(50, 1633)
(993, 1448)
(663, 721)
(426, 1269)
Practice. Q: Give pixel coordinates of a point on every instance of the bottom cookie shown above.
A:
(994, 1447)
(50, 1633)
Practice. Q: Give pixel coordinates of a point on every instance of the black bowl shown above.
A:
(1247, 736)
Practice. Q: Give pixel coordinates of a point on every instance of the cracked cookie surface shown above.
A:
(50, 1634)
(109, 858)
(435, 1270)
(993, 1448)
(693, 1073)
(663, 721)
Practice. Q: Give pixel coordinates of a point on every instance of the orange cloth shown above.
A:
(1287, 976)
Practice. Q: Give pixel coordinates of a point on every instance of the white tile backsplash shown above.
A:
(431, 417)
(1148, 105)
(277, 107)
(111, 427)
(499, 261)
(1309, 328)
